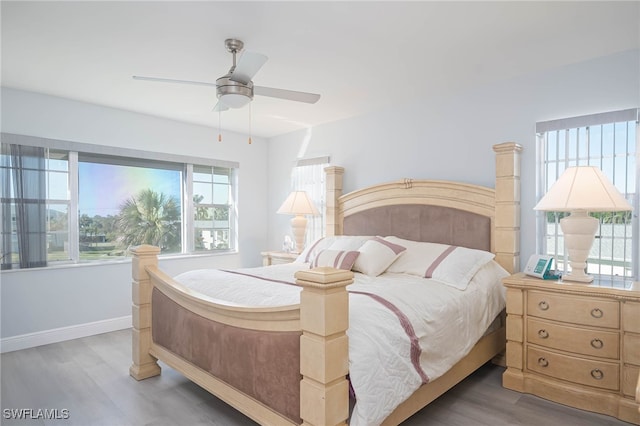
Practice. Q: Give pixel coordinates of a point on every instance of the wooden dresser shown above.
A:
(575, 344)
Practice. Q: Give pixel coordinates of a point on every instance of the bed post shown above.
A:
(507, 214)
(334, 191)
(144, 365)
(324, 346)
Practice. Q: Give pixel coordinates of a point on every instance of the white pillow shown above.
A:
(376, 255)
(451, 265)
(338, 259)
(349, 242)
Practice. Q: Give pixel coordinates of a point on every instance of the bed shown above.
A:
(289, 364)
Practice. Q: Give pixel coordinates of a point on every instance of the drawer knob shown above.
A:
(597, 343)
(544, 306)
(543, 334)
(597, 313)
(597, 374)
(542, 362)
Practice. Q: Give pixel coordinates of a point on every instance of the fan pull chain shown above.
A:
(219, 133)
(250, 130)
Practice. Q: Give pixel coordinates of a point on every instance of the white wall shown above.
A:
(37, 301)
(451, 137)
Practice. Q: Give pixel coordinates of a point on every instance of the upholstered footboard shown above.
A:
(264, 365)
(278, 365)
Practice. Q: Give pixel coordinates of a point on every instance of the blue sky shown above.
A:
(103, 187)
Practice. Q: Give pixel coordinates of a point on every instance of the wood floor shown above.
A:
(89, 377)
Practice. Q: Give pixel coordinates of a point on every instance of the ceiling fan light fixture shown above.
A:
(232, 93)
(233, 100)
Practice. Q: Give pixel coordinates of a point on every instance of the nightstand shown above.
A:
(575, 344)
(277, 257)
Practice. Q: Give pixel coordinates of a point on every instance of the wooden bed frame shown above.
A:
(321, 318)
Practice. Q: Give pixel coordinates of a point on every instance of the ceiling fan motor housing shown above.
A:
(227, 89)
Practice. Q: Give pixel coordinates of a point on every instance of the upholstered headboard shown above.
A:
(418, 222)
(444, 212)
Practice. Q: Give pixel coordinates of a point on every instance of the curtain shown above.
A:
(24, 225)
(308, 175)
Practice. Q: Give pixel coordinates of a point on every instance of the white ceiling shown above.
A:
(360, 56)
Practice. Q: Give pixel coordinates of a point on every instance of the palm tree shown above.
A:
(202, 212)
(150, 218)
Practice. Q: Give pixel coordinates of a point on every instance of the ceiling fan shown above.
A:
(235, 89)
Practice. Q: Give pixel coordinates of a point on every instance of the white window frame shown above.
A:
(232, 197)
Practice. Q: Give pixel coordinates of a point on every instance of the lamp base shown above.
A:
(299, 229)
(579, 231)
(578, 278)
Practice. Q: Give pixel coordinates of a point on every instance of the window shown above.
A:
(79, 204)
(35, 205)
(142, 205)
(610, 142)
(308, 175)
(212, 195)
(58, 205)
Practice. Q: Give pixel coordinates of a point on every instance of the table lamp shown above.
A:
(581, 190)
(298, 204)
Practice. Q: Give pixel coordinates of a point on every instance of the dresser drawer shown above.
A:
(600, 374)
(574, 309)
(584, 341)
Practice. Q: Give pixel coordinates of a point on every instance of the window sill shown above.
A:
(165, 257)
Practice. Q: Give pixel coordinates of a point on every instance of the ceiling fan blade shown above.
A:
(220, 107)
(291, 95)
(248, 65)
(171, 80)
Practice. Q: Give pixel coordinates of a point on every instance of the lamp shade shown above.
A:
(298, 203)
(583, 188)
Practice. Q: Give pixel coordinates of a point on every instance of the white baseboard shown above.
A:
(31, 340)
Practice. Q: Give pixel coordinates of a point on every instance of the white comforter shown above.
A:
(443, 322)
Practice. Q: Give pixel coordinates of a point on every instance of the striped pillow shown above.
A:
(339, 259)
(376, 255)
(336, 242)
(451, 265)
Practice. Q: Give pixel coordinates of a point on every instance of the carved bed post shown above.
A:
(144, 365)
(334, 191)
(324, 346)
(507, 216)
